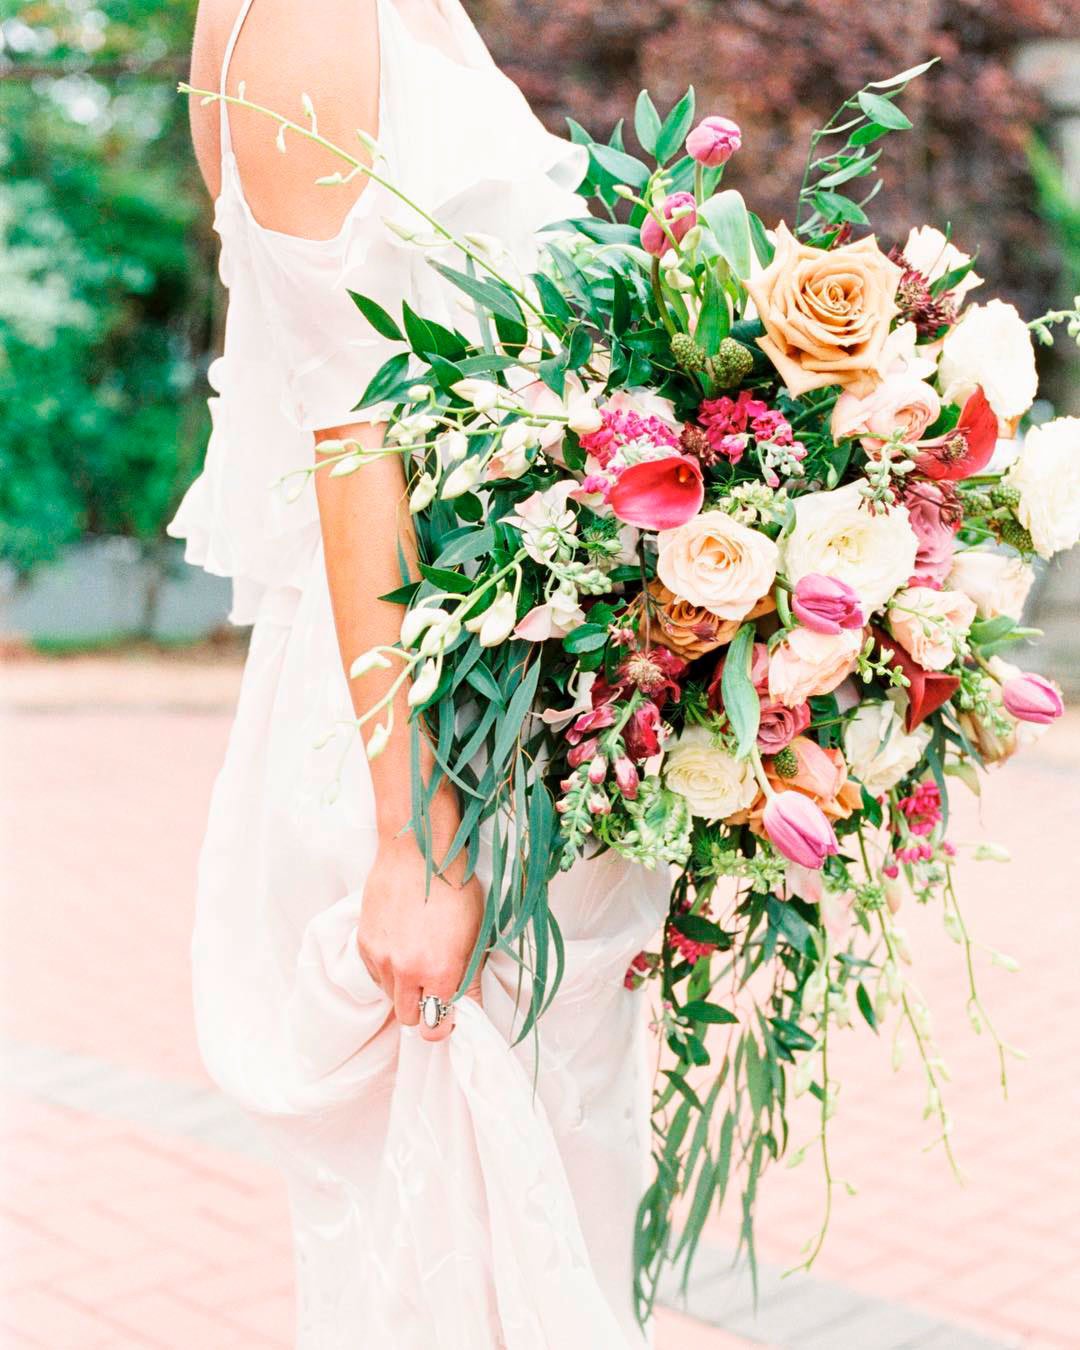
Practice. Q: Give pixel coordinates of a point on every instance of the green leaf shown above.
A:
(581, 347)
(402, 596)
(884, 112)
(445, 580)
(552, 298)
(700, 1011)
(866, 1006)
(699, 929)
(763, 245)
(622, 167)
(646, 122)
(741, 702)
(484, 682)
(786, 919)
(676, 127)
(589, 637)
(516, 712)
(855, 168)
(386, 381)
(951, 279)
(383, 324)
(729, 221)
(466, 546)
(867, 134)
(905, 76)
(835, 207)
(714, 321)
(490, 295)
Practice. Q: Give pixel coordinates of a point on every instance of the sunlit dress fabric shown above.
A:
(477, 1193)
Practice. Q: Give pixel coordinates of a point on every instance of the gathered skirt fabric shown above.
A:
(470, 1195)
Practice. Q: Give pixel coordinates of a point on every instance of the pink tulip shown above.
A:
(1032, 699)
(799, 829)
(654, 238)
(826, 605)
(658, 494)
(713, 141)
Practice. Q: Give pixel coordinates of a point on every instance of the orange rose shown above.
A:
(826, 312)
(690, 630)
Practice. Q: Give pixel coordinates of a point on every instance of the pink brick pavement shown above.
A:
(116, 1235)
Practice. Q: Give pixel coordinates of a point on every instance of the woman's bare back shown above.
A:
(281, 54)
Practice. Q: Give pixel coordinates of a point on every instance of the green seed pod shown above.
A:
(688, 355)
(786, 763)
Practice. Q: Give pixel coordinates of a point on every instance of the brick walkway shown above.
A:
(134, 1214)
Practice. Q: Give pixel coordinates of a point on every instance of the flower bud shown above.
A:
(799, 829)
(420, 393)
(463, 478)
(826, 604)
(369, 661)
(377, 741)
(417, 621)
(584, 417)
(680, 212)
(496, 623)
(597, 770)
(713, 141)
(439, 636)
(627, 778)
(1031, 698)
(424, 685)
(452, 446)
(481, 394)
(423, 494)
(599, 804)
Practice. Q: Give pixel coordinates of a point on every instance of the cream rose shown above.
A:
(806, 664)
(716, 563)
(929, 252)
(837, 535)
(878, 750)
(714, 784)
(998, 583)
(826, 311)
(928, 624)
(899, 404)
(1047, 473)
(990, 346)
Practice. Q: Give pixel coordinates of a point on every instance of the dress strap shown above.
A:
(230, 47)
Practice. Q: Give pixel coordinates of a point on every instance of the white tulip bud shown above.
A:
(424, 685)
(481, 394)
(372, 660)
(423, 494)
(462, 479)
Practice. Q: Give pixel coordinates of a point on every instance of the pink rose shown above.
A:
(807, 663)
(713, 141)
(826, 604)
(935, 532)
(1031, 698)
(779, 726)
(654, 238)
(658, 494)
(899, 403)
(799, 829)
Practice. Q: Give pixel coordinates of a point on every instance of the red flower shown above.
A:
(642, 732)
(965, 450)
(928, 689)
(658, 494)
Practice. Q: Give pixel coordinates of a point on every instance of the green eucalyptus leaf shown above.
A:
(741, 702)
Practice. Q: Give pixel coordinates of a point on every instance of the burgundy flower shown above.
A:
(927, 691)
(642, 732)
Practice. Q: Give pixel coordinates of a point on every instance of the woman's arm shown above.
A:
(413, 944)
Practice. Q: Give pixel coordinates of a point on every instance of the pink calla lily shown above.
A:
(658, 494)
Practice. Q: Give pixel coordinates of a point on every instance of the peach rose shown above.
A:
(716, 563)
(928, 623)
(807, 663)
(899, 404)
(822, 776)
(691, 631)
(826, 312)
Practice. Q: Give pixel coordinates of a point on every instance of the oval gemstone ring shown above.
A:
(433, 1010)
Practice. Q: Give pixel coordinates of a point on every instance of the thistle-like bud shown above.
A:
(786, 763)
(731, 364)
(1014, 534)
(688, 355)
(1004, 494)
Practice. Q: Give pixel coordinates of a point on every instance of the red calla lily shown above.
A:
(658, 494)
(965, 450)
(927, 691)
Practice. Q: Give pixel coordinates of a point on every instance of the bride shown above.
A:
(449, 1188)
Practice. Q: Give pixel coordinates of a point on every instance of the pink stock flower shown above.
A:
(654, 238)
(658, 494)
(1031, 698)
(935, 521)
(826, 604)
(713, 141)
(799, 829)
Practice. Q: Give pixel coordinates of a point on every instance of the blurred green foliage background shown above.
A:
(109, 306)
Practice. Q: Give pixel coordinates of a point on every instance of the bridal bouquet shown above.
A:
(725, 536)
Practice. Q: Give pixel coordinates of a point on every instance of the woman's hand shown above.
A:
(414, 945)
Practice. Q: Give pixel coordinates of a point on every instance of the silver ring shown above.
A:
(433, 1010)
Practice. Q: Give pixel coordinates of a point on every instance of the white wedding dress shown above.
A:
(460, 1196)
